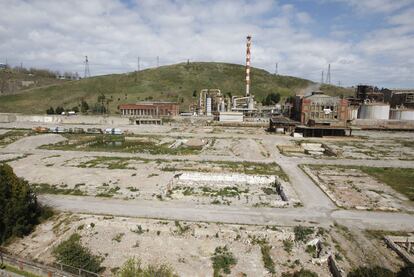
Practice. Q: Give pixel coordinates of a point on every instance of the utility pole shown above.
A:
(276, 69)
(158, 61)
(322, 78)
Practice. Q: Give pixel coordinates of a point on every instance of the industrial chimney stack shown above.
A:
(249, 38)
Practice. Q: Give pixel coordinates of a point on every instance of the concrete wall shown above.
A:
(61, 119)
(384, 124)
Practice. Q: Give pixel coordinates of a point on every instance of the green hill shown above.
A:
(169, 83)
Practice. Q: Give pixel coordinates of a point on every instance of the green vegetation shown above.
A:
(302, 233)
(170, 83)
(222, 260)
(19, 272)
(400, 179)
(107, 192)
(133, 268)
(118, 143)
(337, 91)
(12, 136)
(54, 189)
(71, 252)
(303, 273)
(288, 245)
(118, 237)
(19, 210)
(271, 99)
(265, 249)
(376, 271)
(181, 229)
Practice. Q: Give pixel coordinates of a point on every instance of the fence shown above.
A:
(58, 270)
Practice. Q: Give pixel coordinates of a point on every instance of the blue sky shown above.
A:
(365, 41)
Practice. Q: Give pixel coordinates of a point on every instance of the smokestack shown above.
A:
(249, 38)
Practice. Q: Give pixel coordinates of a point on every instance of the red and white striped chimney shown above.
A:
(249, 38)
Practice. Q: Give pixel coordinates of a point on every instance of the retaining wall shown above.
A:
(384, 124)
(62, 119)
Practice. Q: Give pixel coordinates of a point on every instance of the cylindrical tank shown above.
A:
(395, 114)
(353, 112)
(374, 111)
(208, 106)
(407, 114)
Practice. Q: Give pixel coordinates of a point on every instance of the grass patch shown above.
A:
(265, 250)
(222, 260)
(44, 188)
(14, 135)
(302, 233)
(20, 272)
(400, 179)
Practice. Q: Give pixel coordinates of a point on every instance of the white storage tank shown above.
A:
(407, 114)
(395, 114)
(374, 111)
(208, 106)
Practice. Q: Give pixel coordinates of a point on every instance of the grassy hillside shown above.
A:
(170, 83)
(337, 91)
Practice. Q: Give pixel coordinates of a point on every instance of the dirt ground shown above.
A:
(353, 189)
(189, 246)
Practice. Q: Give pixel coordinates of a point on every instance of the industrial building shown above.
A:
(211, 102)
(149, 109)
(319, 108)
(399, 97)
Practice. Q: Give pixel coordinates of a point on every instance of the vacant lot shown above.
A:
(189, 246)
(365, 187)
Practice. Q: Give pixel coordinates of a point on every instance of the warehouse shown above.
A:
(149, 109)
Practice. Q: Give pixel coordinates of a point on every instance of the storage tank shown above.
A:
(407, 114)
(374, 111)
(395, 114)
(353, 112)
(208, 106)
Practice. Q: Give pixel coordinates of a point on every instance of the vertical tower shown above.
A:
(87, 72)
(249, 38)
(328, 75)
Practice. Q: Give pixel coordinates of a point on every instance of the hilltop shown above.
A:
(178, 82)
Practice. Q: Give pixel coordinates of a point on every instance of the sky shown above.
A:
(365, 41)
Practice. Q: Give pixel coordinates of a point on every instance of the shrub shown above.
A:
(133, 268)
(71, 252)
(19, 209)
(376, 271)
(302, 233)
(222, 260)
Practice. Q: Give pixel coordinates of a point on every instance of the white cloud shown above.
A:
(58, 34)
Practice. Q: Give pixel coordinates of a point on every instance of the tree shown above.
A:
(72, 252)
(271, 99)
(75, 109)
(194, 93)
(19, 209)
(50, 111)
(84, 106)
(59, 110)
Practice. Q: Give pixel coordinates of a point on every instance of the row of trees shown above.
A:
(19, 209)
(101, 106)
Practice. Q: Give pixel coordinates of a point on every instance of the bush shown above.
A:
(271, 99)
(222, 260)
(19, 209)
(302, 233)
(376, 271)
(59, 110)
(50, 111)
(72, 252)
(132, 268)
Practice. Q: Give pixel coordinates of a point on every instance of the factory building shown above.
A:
(149, 109)
(399, 97)
(319, 108)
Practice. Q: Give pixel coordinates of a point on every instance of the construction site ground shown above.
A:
(142, 187)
